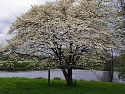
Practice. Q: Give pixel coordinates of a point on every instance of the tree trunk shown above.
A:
(70, 82)
(109, 68)
(65, 74)
(68, 76)
(111, 71)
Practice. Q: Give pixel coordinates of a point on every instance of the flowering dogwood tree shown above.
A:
(67, 29)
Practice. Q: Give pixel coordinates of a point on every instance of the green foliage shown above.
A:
(14, 66)
(121, 75)
(39, 86)
(90, 66)
(57, 78)
(121, 59)
(121, 66)
(21, 66)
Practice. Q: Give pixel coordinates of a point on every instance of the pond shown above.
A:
(57, 73)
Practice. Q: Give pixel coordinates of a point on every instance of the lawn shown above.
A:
(39, 86)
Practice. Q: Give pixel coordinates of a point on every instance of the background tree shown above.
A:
(3, 57)
(121, 6)
(120, 60)
(66, 29)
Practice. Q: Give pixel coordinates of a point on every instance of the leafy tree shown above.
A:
(2, 55)
(66, 29)
(121, 6)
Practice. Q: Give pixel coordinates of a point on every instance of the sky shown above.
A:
(10, 10)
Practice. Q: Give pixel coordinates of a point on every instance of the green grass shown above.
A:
(39, 86)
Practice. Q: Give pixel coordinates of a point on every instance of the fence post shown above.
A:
(48, 77)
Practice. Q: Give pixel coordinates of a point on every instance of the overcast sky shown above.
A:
(10, 10)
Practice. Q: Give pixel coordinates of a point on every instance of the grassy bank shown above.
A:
(39, 86)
